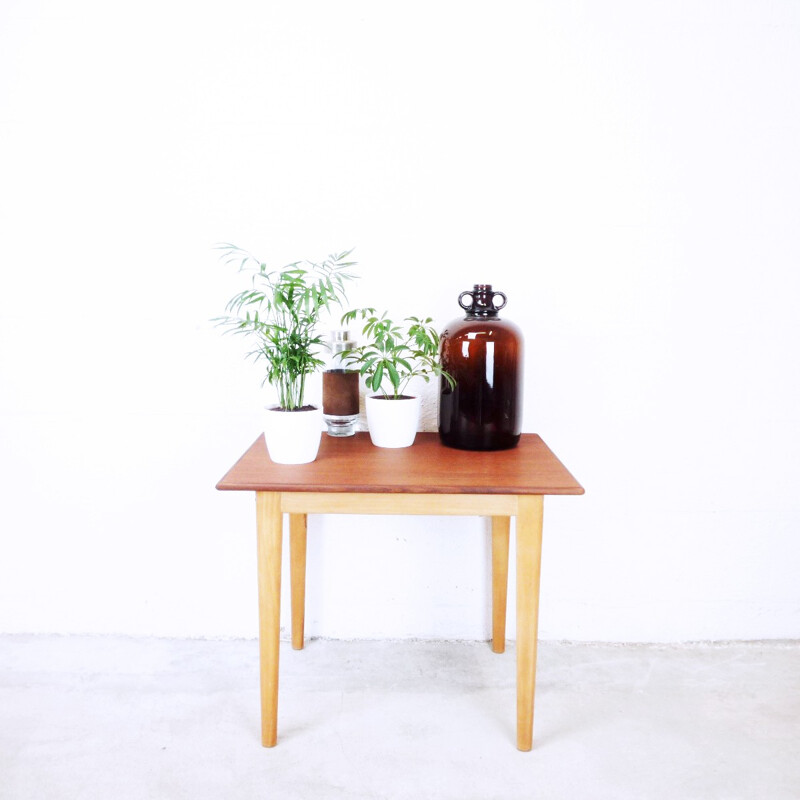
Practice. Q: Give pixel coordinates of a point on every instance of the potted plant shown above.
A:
(393, 354)
(279, 312)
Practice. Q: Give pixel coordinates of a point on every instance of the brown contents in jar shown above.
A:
(340, 392)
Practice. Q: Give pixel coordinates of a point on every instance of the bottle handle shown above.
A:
(499, 294)
(471, 300)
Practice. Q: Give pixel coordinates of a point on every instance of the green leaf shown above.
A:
(393, 376)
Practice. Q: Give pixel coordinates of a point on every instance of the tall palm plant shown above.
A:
(280, 311)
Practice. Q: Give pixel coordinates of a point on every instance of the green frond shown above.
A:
(280, 313)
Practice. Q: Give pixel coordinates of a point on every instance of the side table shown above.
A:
(350, 476)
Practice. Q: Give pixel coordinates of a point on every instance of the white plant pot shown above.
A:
(393, 423)
(292, 436)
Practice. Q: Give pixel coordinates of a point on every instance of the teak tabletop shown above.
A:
(353, 464)
(351, 476)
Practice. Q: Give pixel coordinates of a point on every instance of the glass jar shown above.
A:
(340, 388)
(483, 354)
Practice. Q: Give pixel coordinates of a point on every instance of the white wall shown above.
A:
(628, 173)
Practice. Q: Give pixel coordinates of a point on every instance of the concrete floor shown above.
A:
(109, 717)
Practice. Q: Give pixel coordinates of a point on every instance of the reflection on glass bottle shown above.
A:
(483, 353)
(340, 388)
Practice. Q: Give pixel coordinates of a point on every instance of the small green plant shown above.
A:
(280, 312)
(394, 353)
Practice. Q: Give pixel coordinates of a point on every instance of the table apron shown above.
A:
(485, 505)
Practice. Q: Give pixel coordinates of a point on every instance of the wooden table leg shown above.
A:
(529, 560)
(500, 530)
(297, 553)
(269, 524)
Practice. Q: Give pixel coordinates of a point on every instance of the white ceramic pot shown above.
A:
(393, 423)
(292, 436)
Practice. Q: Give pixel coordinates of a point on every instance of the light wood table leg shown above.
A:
(269, 524)
(500, 531)
(298, 534)
(529, 561)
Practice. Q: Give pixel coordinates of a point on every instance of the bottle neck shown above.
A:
(482, 302)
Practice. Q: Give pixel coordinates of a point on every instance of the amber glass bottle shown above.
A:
(483, 353)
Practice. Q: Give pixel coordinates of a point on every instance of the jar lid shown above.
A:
(341, 341)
